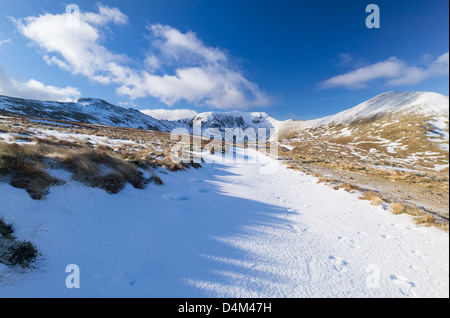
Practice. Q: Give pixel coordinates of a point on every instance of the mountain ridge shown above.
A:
(98, 111)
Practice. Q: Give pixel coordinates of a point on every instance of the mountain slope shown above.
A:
(397, 136)
(387, 105)
(86, 110)
(97, 111)
(400, 121)
(235, 120)
(401, 104)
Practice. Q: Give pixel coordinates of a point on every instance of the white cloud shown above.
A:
(184, 47)
(7, 41)
(200, 74)
(75, 46)
(394, 71)
(170, 114)
(34, 89)
(105, 15)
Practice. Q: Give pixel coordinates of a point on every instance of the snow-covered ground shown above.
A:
(222, 231)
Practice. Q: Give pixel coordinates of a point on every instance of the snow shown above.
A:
(438, 133)
(95, 111)
(224, 230)
(170, 114)
(424, 103)
(401, 103)
(234, 119)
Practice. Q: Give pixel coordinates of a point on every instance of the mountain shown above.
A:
(401, 104)
(97, 111)
(235, 120)
(387, 105)
(86, 110)
(391, 122)
(409, 129)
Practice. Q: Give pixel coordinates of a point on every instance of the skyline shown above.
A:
(291, 60)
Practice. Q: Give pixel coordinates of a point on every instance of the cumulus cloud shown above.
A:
(74, 45)
(170, 114)
(199, 74)
(34, 89)
(393, 71)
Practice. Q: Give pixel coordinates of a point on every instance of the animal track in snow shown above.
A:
(281, 199)
(339, 265)
(421, 255)
(405, 287)
(348, 241)
(175, 197)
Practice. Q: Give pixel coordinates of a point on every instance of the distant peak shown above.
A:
(90, 100)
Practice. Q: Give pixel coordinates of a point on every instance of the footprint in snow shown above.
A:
(175, 197)
(405, 287)
(348, 242)
(281, 199)
(421, 255)
(339, 265)
(388, 237)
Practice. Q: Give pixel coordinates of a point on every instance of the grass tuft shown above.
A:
(398, 208)
(372, 196)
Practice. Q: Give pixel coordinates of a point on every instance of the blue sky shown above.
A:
(291, 59)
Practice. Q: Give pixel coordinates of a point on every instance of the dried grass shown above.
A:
(397, 208)
(372, 196)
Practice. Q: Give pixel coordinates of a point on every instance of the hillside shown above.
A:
(157, 228)
(84, 110)
(394, 143)
(408, 130)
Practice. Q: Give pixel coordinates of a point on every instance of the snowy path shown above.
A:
(223, 231)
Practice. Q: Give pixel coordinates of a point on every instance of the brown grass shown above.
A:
(323, 179)
(25, 167)
(372, 196)
(108, 167)
(100, 170)
(347, 187)
(22, 166)
(427, 220)
(397, 208)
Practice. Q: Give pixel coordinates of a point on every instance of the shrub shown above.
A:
(20, 253)
(6, 230)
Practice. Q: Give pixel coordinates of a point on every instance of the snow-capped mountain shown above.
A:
(390, 106)
(409, 129)
(86, 110)
(97, 111)
(399, 103)
(409, 108)
(223, 120)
